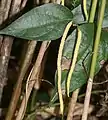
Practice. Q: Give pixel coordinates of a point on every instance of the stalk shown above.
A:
(94, 58)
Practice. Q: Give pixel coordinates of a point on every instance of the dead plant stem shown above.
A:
(72, 104)
(23, 70)
(33, 77)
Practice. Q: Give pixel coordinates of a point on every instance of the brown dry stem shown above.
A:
(8, 8)
(23, 70)
(31, 84)
(72, 104)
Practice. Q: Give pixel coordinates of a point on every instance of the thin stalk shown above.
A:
(15, 96)
(93, 10)
(93, 92)
(74, 60)
(85, 9)
(97, 39)
(94, 58)
(32, 76)
(72, 104)
(59, 65)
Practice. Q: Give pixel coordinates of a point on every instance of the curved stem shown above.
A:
(74, 60)
(59, 65)
(85, 9)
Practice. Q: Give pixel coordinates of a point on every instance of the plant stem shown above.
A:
(85, 9)
(94, 58)
(93, 92)
(72, 104)
(74, 60)
(93, 10)
(97, 39)
(59, 65)
(25, 64)
(32, 76)
(62, 2)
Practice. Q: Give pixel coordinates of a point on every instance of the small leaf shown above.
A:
(78, 15)
(46, 22)
(80, 73)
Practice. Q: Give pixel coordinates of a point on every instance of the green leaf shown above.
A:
(80, 73)
(78, 15)
(46, 22)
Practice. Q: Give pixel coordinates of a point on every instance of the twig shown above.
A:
(33, 76)
(23, 4)
(93, 92)
(23, 70)
(100, 82)
(52, 110)
(92, 70)
(72, 104)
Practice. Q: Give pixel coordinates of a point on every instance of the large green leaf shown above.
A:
(46, 22)
(80, 73)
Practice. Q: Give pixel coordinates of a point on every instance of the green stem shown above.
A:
(93, 10)
(33, 100)
(85, 9)
(97, 38)
(94, 58)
